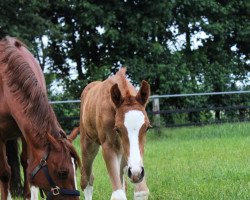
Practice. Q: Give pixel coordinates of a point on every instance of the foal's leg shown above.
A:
(89, 151)
(113, 161)
(141, 191)
(123, 172)
(5, 173)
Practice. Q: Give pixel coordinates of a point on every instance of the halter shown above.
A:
(54, 190)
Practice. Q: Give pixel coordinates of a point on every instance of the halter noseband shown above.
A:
(54, 190)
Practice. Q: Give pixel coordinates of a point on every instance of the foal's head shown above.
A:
(131, 125)
(56, 172)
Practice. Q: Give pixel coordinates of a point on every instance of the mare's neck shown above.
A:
(34, 134)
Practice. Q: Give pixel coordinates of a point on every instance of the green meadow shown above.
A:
(194, 163)
(203, 163)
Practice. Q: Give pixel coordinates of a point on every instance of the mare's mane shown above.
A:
(25, 87)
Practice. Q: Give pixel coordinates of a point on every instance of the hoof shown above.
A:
(118, 195)
(143, 195)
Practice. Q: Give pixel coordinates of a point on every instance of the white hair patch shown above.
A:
(34, 193)
(134, 120)
(74, 168)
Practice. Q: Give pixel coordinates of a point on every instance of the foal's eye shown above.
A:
(117, 130)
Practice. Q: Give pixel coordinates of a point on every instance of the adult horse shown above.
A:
(25, 112)
(113, 115)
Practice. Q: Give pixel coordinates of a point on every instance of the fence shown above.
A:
(177, 109)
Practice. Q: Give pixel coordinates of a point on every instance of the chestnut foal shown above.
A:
(113, 115)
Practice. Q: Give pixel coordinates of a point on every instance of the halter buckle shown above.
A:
(55, 191)
(43, 162)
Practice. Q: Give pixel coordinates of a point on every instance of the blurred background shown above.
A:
(178, 46)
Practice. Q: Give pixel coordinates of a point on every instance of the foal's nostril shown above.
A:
(129, 172)
(136, 176)
(142, 172)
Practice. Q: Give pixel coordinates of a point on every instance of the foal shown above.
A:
(113, 115)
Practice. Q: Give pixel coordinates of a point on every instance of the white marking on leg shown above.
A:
(34, 193)
(119, 157)
(125, 171)
(121, 175)
(118, 195)
(9, 196)
(88, 192)
(123, 183)
(133, 121)
(142, 195)
(74, 168)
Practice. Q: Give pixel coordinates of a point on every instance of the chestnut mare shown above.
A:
(48, 157)
(113, 115)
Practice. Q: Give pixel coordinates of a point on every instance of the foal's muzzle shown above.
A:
(136, 176)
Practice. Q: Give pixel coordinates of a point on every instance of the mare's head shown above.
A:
(52, 157)
(55, 170)
(131, 125)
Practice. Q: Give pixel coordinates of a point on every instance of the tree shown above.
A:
(94, 38)
(27, 21)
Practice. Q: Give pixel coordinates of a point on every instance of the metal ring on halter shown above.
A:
(55, 191)
(43, 162)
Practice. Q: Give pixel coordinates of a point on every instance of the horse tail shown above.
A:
(16, 188)
(73, 134)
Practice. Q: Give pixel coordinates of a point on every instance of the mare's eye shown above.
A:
(62, 175)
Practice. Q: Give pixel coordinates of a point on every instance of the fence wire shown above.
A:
(176, 110)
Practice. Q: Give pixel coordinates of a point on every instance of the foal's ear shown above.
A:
(144, 93)
(116, 95)
(73, 134)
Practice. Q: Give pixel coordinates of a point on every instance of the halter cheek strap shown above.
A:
(54, 190)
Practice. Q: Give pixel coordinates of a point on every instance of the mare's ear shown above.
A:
(73, 134)
(116, 95)
(53, 142)
(144, 93)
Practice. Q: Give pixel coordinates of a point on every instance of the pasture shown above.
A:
(203, 163)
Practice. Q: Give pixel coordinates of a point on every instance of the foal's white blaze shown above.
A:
(133, 121)
(74, 168)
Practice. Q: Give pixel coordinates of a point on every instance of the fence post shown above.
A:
(157, 118)
(156, 106)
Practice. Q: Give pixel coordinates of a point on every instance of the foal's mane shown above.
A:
(25, 87)
(125, 87)
(121, 74)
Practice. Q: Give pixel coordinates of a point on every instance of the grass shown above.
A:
(210, 162)
(195, 163)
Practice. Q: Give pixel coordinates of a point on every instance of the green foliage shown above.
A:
(95, 38)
